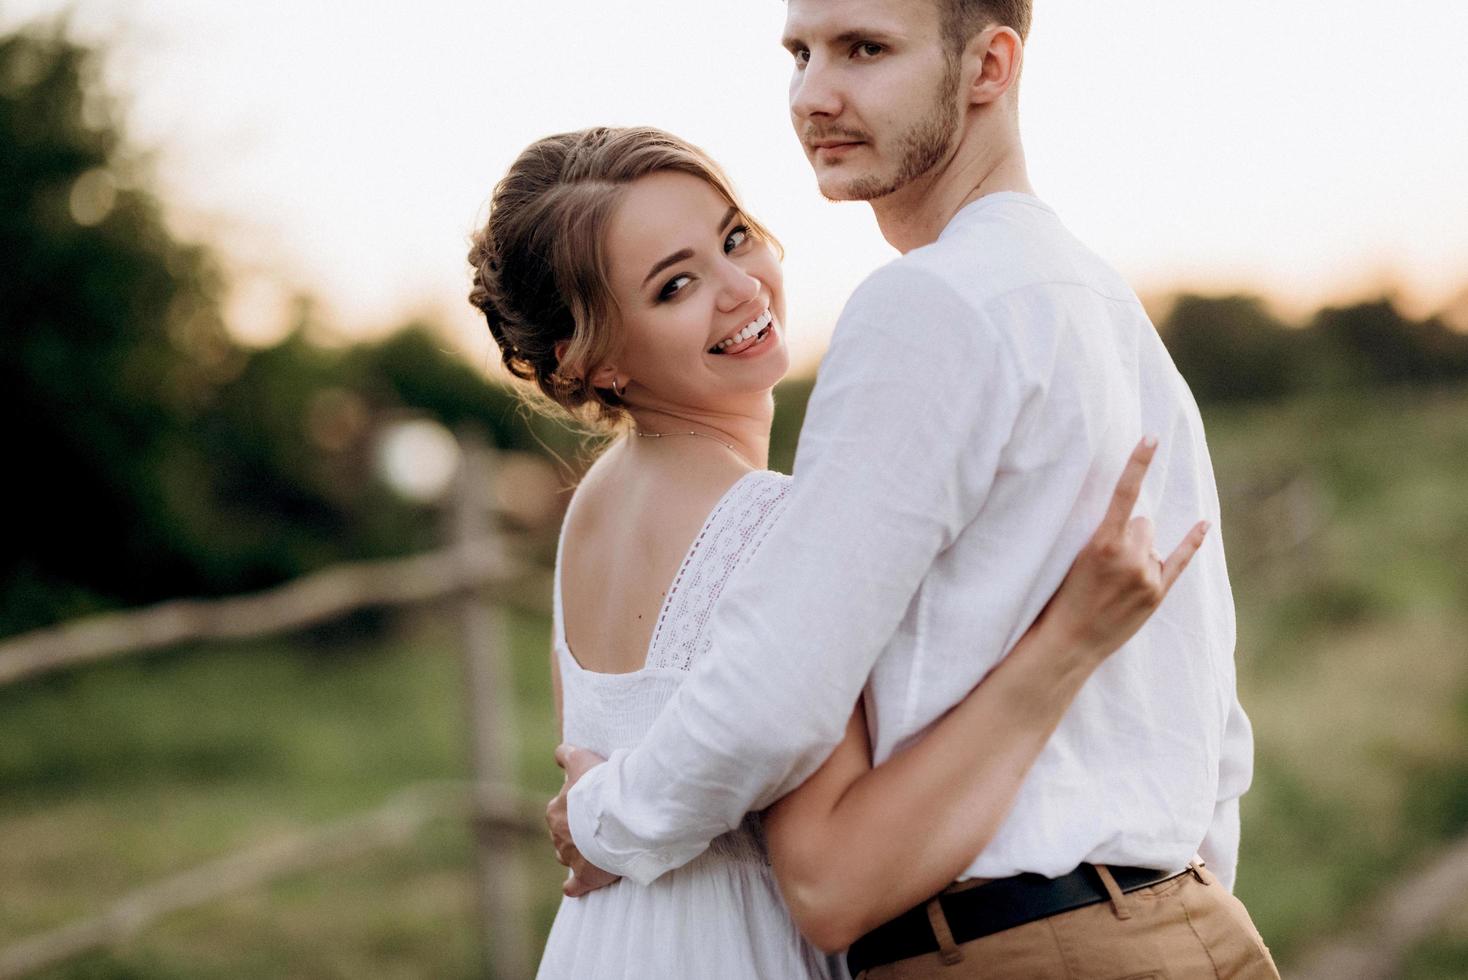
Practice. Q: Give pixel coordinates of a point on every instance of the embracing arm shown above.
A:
(916, 821)
(917, 398)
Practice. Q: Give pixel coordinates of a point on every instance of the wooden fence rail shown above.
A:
(316, 598)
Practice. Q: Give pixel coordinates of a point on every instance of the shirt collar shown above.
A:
(996, 199)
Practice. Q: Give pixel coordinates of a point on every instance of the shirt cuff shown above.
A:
(584, 805)
(581, 815)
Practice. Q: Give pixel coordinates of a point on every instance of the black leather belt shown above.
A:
(993, 907)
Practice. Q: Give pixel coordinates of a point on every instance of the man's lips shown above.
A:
(832, 154)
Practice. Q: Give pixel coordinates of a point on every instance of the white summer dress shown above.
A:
(719, 917)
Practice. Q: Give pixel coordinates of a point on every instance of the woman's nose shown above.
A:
(737, 288)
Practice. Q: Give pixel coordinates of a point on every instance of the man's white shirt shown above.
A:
(975, 408)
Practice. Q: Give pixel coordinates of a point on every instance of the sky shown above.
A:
(1309, 150)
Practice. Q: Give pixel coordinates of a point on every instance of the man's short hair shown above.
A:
(962, 19)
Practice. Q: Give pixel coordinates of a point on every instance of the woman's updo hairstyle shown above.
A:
(539, 262)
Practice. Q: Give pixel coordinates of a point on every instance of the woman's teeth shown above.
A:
(752, 330)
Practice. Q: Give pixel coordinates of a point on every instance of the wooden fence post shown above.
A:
(503, 928)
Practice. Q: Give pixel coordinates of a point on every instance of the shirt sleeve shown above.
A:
(916, 400)
(1220, 848)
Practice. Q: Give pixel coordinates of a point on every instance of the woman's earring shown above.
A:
(621, 394)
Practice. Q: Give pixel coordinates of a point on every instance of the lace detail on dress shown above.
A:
(729, 537)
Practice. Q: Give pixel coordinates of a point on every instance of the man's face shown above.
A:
(873, 94)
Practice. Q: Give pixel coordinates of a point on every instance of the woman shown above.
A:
(621, 278)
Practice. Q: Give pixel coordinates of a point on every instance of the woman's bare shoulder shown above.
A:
(675, 497)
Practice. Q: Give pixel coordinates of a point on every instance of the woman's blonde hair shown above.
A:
(540, 264)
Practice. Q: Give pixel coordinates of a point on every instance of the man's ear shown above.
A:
(999, 54)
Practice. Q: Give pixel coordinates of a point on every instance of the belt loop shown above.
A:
(946, 946)
(1196, 866)
(1120, 904)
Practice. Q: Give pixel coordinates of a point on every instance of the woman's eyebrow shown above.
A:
(684, 254)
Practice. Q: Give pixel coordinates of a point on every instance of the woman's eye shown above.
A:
(736, 238)
(674, 287)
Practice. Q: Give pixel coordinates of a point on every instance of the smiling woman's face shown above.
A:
(687, 275)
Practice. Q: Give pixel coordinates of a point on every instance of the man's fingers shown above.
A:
(1183, 553)
(575, 887)
(1129, 487)
(563, 754)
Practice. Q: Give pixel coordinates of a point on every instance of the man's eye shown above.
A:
(674, 287)
(801, 56)
(736, 238)
(868, 49)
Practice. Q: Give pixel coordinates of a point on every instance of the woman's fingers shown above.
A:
(1128, 488)
(1183, 553)
(1141, 533)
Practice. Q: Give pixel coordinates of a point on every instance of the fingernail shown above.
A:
(1207, 526)
(1149, 442)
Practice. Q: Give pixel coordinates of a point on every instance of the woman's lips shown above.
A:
(759, 340)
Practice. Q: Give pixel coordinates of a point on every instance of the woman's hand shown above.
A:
(1119, 579)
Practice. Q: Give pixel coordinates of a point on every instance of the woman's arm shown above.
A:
(854, 846)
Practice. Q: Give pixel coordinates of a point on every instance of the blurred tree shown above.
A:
(1231, 348)
(112, 333)
(1374, 344)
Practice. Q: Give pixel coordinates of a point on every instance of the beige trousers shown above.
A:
(1184, 928)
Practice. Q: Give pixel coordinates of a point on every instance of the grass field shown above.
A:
(1346, 524)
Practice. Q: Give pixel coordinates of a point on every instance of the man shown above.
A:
(958, 450)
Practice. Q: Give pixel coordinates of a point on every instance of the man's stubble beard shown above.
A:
(922, 147)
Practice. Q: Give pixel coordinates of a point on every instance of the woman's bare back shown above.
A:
(631, 523)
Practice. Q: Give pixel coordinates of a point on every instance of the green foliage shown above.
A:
(91, 376)
(1343, 517)
(1444, 957)
(1232, 349)
(791, 397)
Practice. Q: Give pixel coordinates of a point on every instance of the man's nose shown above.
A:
(814, 92)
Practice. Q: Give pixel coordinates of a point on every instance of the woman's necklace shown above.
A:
(690, 432)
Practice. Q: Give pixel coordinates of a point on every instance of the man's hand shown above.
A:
(585, 877)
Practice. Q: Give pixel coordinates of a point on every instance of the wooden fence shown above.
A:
(477, 571)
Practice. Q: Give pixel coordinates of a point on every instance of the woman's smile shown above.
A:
(752, 334)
